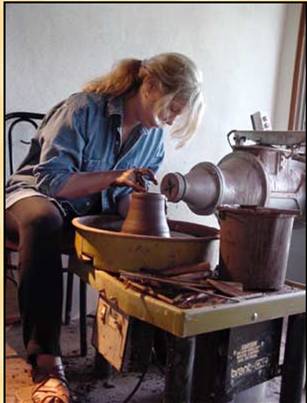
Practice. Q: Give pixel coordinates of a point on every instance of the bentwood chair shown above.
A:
(19, 127)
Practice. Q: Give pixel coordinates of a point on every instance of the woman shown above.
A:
(89, 153)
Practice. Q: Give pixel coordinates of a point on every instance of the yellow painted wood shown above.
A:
(110, 333)
(190, 322)
(146, 308)
(203, 320)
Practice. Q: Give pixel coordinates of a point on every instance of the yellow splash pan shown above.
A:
(99, 239)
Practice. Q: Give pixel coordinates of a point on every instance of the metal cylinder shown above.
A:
(203, 183)
(255, 246)
(250, 175)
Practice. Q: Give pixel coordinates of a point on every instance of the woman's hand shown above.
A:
(82, 184)
(134, 178)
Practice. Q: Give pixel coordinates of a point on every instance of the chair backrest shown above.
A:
(14, 120)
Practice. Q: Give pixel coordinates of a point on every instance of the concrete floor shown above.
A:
(81, 374)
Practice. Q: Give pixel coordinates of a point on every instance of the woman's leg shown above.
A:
(38, 224)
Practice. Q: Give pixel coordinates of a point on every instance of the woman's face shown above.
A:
(151, 114)
(170, 112)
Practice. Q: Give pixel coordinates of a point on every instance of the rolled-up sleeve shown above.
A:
(62, 138)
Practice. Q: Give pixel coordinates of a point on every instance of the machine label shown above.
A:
(247, 351)
(253, 354)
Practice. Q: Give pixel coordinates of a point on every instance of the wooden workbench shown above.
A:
(185, 326)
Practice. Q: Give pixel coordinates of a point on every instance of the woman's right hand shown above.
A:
(134, 178)
(86, 183)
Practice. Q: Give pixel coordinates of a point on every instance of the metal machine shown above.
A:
(265, 168)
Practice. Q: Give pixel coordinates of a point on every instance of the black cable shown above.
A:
(156, 361)
(138, 384)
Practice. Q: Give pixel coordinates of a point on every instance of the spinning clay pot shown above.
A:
(147, 215)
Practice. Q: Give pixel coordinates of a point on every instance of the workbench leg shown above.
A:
(179, 369)
(69, 291)
(103, 369)
(294, 361)
(82, 318)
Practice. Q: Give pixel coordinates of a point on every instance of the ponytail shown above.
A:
(122, 78)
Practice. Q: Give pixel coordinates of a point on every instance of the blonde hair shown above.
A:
(178, 77)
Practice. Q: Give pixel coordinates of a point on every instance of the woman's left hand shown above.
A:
(134, 178)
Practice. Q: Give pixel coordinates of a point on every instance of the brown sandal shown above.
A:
(51, 385)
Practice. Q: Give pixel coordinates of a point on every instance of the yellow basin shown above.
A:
(99, 238)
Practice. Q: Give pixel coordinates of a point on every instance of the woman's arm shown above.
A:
(85, 183)
(60, 170)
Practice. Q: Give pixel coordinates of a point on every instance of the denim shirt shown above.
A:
(81, 134)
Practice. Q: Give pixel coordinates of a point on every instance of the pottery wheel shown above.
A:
(116, 226)
(100, 239)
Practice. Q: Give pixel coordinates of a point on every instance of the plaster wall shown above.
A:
(286, 67)
(245, 51)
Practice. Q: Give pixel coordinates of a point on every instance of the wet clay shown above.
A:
(147, 215)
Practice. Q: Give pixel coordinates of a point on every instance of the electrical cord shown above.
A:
(153, 356)
(139, 382)
(156, 361)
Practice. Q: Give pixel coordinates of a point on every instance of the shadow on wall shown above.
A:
(297, 255)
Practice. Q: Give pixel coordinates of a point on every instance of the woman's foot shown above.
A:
(50, 382)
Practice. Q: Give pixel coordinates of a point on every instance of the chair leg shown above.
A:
(68, 304)
(83, 333)
(12, 314)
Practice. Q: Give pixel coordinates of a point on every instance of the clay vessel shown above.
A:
(146, 215)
